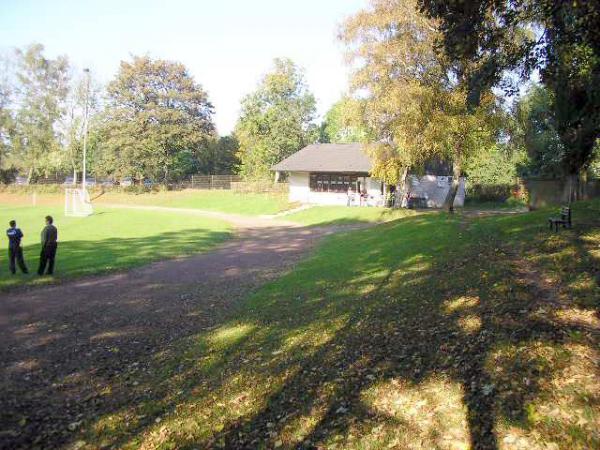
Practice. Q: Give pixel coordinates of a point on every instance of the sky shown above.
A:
(227, 45)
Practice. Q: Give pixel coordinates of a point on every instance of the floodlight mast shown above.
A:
(85, 126)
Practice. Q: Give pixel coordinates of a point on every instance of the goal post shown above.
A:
(77, 203)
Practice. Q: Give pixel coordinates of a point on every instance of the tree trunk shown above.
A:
(400, 189)
(575, 187)
(456, 172)
(30, 175)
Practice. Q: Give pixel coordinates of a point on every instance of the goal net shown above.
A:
(77, 203)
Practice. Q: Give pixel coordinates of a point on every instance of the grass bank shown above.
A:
(340, 215)
(431, 331)
(213, 200)
(110, 239)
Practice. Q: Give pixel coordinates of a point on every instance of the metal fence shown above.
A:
(209, 182)
(223, 182)
(243, 187)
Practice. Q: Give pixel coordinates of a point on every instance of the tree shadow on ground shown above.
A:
(74, 351)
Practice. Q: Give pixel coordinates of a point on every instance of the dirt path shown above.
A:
(65, 348)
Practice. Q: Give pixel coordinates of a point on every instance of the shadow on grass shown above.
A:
(78, 258)
(419, 309)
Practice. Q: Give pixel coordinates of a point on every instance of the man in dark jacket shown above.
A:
(15, 251)
(49, 244)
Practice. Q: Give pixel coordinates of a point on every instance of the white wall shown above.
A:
(435, 189)
(299, 185)
(432, 187)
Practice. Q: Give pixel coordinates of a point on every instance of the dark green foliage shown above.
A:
(276, 120)
(157, 121)
(488, 35)
(535, 131)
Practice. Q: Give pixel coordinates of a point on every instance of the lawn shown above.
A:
(431, 331)
(339, 215)
(110, 239)
(215, 200)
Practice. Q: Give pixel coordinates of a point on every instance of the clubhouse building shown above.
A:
(340, 174)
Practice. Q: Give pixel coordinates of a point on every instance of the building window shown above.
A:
(326, 182)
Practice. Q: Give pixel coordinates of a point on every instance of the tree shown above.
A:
(415, 109)
(567, 53)
(397, 69)
(156, 114)
(276, 120)
(6, 120)
(535, 131)
(343, 123)
(42, 88)
(82, 90)
(221, 156)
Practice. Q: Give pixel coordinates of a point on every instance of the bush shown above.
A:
(490, 192)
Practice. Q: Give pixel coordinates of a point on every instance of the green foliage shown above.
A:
(156, 115)
(398, 72)
(415, 109)
(276, 120)
(494, 165)
(487, 37)
(220, 156)
(535, 131)
(43, 85)
(344, 122)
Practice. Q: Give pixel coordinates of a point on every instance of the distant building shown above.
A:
(340, 174)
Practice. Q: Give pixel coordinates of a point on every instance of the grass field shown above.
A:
(430, 331)
(215, 200)
(108, 240)
(339, 215)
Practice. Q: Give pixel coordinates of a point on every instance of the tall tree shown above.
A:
(417, 111)
(82, 90)
(6, 117)
(155, 112)
(344, 122)
(391, 47)
(567, 52)
(534, 129)
(276, 120)
(42, 87)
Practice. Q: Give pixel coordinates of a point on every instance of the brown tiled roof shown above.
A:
(327, 158)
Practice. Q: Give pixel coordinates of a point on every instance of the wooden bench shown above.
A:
(564, 219)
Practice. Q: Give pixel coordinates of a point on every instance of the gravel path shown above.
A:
(65, 348)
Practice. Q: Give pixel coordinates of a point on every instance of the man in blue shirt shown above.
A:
(15, 251)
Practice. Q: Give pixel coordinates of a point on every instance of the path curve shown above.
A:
(65, 347)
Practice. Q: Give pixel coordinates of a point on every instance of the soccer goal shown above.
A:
(77, 203)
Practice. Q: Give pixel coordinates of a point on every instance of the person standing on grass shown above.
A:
(15, 251)
(49, 244)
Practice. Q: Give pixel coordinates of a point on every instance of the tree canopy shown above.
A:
(156, 114)
(276, 120)
(344, 122)
(566, 50)
(39, 105)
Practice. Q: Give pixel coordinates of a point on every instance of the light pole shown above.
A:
(85, 126)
